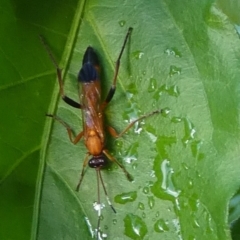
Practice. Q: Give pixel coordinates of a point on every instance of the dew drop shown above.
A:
(161, 226)
(196, 223)
(209, 228)
(176, 119)
(132, 88)
(194, 203)
(138, 54)
(122, 23)
(134, 166)
(191, 237)
(185, 166)
(167, 183)
(118, 143)
(195, 147)
(173, 91)
(152, 85)
(237, 27)
(135, 227)
(104, 235)
(125, 197)
(190, 184)
(89, 225)
(146, 190)
(151, 132)
(189, 131)
(164, 188)
(165, 112)
(173, 52)
(141, 206)
(151, 202)
(131, 153)
(98, 206)
(174, 70)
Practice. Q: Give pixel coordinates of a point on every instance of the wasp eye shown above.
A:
(97, 161)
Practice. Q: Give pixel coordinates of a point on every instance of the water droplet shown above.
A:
(132, 89)
(177, 205)
(122, 23)
(162, 143)
(105, 227)
(149, 183)
(131, 113)
(165, 112)
(194, 203)
(164, 188)
(174, 70)
(167, 183)
(134, 166)
(135, 227)
(90, 228)
(237, 27)
(209, 228)
(173, 52)
(191, 237)
(126, 197)
(170, 90)
(189, 131)
(196, 223)
(195, 147)
(177, 227)
(138, 54)
(98, 206)
(161, 226)
(152, 174)
(190, 184)
(146, 190)
(118, 143)
(176, 119)
(114, 221)
(141, 206)
(131, 153)
(151, 132)
(104, 235)
(143, 215)
(173, 91)
(152, 85)
(151, 202)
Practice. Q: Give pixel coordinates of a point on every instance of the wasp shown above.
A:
(92, 108)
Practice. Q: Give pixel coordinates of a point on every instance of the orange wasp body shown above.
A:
(92, 116)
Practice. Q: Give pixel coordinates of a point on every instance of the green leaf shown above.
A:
(182, 57)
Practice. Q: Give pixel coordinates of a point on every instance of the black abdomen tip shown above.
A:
(90, 57)
(88, 72)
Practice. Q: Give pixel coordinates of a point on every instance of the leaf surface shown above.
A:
(183, 58)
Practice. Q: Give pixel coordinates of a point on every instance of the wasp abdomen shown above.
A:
(90, 66)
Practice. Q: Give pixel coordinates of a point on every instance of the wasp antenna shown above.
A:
(44, 43)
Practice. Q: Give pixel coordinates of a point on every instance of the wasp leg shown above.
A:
(114, 133)
(73, 139)
(85, 162)
(65, 98)
(113, 87)
(110, 157)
